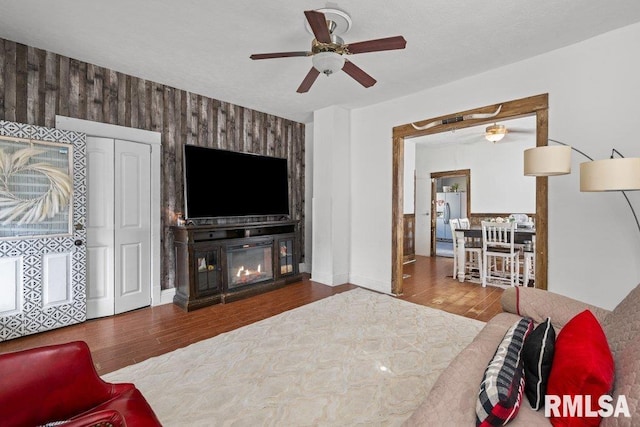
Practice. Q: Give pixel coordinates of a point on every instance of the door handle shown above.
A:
(447, 213)
(78, 242)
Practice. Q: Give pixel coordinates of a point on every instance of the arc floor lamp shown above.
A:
(612, 174)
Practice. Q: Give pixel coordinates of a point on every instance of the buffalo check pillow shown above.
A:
(502, 385)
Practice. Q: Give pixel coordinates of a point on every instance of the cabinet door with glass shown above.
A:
(287, 264)
(208, 270)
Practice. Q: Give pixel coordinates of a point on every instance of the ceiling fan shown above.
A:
(496, 132)
(328, 50)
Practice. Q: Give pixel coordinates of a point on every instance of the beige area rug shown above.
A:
(355, 358)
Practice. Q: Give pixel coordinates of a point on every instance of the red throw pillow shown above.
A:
(582, 366)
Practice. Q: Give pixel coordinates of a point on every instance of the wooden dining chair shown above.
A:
(465, 223)
(454, 223)
(498, 244)
(529, 264)
(472, 251)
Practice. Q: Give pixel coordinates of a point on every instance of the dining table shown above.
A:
(521, 235)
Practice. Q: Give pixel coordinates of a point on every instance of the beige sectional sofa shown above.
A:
(452, 400)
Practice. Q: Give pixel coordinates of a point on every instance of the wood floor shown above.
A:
(129, 338)
(430, 283)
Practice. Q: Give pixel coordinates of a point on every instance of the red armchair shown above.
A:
(59, 382)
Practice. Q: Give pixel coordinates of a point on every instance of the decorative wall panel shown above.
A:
(42, 304)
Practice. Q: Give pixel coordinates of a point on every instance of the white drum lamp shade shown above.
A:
(547, 160)
(613, 174)
(610, 175)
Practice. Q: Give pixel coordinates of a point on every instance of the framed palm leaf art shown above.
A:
(36, 188)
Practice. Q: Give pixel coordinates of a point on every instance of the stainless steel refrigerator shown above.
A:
(449, 205)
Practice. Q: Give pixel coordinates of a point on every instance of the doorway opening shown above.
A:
(537, 106)
(450, 199)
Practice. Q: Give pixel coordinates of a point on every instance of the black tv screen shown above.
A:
(222, 183)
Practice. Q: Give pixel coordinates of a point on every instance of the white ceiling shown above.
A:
(203, 46)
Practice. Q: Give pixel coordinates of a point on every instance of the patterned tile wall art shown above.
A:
(33, 314)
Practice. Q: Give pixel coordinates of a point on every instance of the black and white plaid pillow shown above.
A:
(503, 381)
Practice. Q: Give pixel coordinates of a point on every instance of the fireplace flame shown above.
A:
(248, 272)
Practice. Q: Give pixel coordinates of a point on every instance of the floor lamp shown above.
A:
(612, 174)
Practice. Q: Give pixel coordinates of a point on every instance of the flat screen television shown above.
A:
(222, 183)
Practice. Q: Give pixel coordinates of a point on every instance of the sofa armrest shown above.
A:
(539, 304)
(61, 378)
(97, 419)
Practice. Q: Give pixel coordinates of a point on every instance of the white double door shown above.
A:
(118, 226)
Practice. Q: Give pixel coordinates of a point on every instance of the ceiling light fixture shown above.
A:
(328, 62)
(495, 133)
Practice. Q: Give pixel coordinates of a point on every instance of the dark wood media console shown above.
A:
(219, 263)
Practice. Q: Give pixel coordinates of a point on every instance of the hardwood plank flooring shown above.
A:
(430, 283)
(132, 337)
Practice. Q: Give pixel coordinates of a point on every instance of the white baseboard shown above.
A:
(330, 279)
(371, 283)
(304, 268)
(166, 296)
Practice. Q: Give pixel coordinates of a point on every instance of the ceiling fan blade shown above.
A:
(278, 55)
(358, 74)
(311, 77)
(389, 43)
(318, 23)
(520, 130)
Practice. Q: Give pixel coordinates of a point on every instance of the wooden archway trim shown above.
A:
(535, 105)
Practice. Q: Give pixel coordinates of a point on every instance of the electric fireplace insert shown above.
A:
(249, 263)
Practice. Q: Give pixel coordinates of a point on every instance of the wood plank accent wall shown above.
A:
(36, 85)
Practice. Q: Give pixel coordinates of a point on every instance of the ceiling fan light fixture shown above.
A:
(328, 62)
(495, 133)
(328, 48)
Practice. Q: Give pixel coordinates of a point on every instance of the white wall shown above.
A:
(331, 196)
(497, 182)
(593, 86)
(308, 195)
